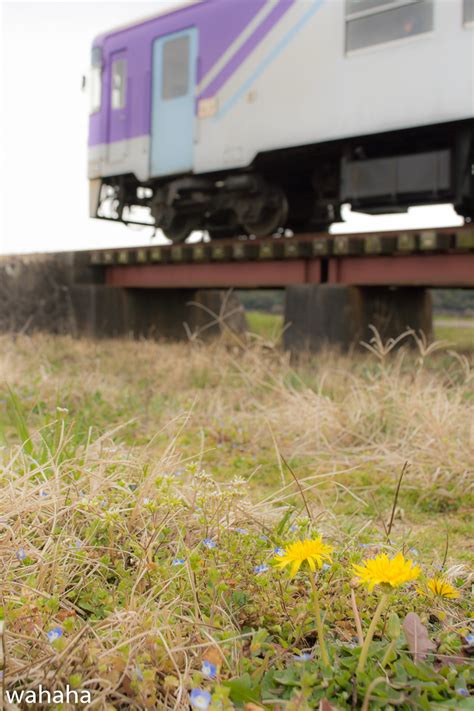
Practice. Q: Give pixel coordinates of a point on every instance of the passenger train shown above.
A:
(256, 116)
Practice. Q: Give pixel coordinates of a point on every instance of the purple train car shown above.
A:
(251, 116)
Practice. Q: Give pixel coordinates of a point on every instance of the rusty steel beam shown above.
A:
(245, 274)
(435, 270)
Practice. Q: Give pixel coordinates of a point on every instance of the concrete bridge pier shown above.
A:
(100, 311)
(340, 316)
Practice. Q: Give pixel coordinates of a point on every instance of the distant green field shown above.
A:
(265, 324)
(456, 330)
(446, 328)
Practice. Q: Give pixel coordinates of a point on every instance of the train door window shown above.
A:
(119, 83)
(372, 22)
(175, 68)
(468, 15)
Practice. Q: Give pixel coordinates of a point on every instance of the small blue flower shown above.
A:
(178, 561)
(76, 545)
(132, 487)
(179, 472)
(146, 500)
(263, 537)
(364, 545)
(44, 493)
(138, 673)
(243, 531)
(325, 566)
(303, 657)
(209, 543)
(200, 699)
(293, 528)
(21, 554)
(469, 638)
(54, 634)
(462, 692)
(414, 551)
(261, 568)
(280, 552)
(209, 669)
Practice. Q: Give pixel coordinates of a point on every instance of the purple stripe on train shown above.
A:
(249, 45)
(219, 24)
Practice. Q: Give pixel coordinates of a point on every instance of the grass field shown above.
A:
(146, 489)
(458, 333)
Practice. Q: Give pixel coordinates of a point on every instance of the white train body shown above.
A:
(313, 102)
(301, 86)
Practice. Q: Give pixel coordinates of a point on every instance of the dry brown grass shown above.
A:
(134, 413)
(331, 408)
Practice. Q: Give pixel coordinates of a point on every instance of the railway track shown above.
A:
(303, 246)
(433, 258)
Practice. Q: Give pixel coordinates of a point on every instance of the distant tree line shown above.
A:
(455, 301)
(269, 300)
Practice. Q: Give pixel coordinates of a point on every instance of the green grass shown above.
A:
(264, 324)
(120, 458)
(461, 336)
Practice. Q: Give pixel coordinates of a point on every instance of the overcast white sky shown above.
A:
(45, 50)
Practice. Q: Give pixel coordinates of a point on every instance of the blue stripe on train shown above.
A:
(230, 103)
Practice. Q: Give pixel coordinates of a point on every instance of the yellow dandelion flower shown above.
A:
(383, 570)
(440, 587)
(314, 552)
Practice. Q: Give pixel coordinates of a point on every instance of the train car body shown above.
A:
(252, 115)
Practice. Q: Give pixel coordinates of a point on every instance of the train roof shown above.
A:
(181, 5)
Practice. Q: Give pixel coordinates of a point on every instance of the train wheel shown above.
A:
(272, 217)
(179, 228)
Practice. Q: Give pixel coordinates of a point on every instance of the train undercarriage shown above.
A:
(302, 188)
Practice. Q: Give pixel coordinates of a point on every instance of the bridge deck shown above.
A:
(442, 257)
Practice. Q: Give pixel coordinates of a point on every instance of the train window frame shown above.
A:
(378, 9)
(375, 6)
(466, 20)
(118, 84)
(173, 84)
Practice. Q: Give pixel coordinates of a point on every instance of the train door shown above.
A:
(172, 109)
(118, 110)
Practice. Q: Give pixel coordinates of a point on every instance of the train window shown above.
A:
(378, 21)
(175, 68)
(119, 82)
(468, 12)
(95, 79)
